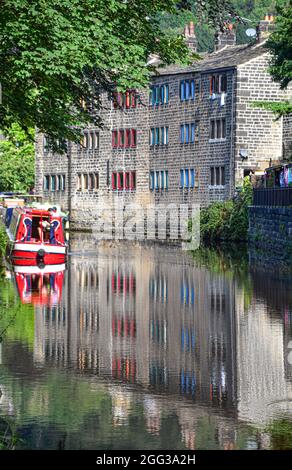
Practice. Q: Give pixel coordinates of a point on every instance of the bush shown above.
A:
(228, 220)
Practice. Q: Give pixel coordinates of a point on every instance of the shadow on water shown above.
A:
(147, 347)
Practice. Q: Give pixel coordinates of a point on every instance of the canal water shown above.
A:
(147, 347)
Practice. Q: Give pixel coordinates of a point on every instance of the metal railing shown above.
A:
(272, 196)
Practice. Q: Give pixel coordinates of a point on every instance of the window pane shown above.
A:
(187, 131)
(192, 132)
(133, 138)
(166, 135)
(157, 180)
(187, 89)
(182, 90)
(162, 94)
(152, 180)
(157, 95)
(166, 179)
(166, 94)
(153, 96)
(217, 175)
(182, 133)
(186, 178)
(162, 135)
(192, 89)
(212, 176)
(212, 129)
(53, 182)
(192, 182)
(182, 178)
(223, 83)
(152, 137)
(224, 128)
(218, 129)
(223, 175)
(162, 179)
(157, 132)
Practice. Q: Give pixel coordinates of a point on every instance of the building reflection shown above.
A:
(148, 321)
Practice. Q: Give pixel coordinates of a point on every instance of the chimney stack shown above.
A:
(225, 38)
(190, 36)
(265, 28)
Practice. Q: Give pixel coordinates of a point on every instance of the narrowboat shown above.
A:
(36, 236)
(40, 286)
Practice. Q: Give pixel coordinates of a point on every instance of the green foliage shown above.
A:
(16, 160)
(55, 54)
(249, 11)
(227, 220)
(16, 319)
(3, 241)
(281, 434)
(280, 45)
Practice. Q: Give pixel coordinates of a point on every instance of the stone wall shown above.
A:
(257, 130)
(270, 230)
(287, 137)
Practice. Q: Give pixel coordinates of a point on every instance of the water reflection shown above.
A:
(147, 348)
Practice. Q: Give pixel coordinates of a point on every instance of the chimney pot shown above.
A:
(192, 28)
(187, 31)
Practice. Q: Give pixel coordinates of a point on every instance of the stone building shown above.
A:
(190, 139)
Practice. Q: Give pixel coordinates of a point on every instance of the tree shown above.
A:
(16, 160)
(280, 46)
(56, 54)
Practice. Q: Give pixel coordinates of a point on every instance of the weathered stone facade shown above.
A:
(205, 168)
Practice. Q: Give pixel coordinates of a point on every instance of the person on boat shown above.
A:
(44, 227)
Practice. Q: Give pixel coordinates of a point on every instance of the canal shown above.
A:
(147, 347)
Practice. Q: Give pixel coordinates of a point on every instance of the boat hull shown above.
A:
(33, 254)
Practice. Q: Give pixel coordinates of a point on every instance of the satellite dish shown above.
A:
(251, 32)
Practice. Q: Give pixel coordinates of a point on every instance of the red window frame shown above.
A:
(114, 139)
(133, 180)
(114, 181)
(128, 138)
(133, 138)
(121, 138)
(127, 180)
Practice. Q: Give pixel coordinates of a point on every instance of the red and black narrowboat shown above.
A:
(36, 236)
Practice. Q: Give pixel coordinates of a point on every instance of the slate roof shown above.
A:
(228, 57)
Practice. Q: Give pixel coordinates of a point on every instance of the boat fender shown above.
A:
(41, 253)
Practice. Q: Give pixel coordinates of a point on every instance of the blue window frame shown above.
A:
(162, 135)
(187, 90)
(182, 179)
(187, 133)
(182, 134)
(157, 132)
(166, 136)
(182, 91)
(192, 177)
(162, 94)
(166, 94)
(157, 180)
(166, 179)
(153, 96)
(152, 180)
(192, 132)
(186, 178)
(192, 89)
(162, 180)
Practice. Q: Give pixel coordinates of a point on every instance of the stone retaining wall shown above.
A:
(270, 230)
